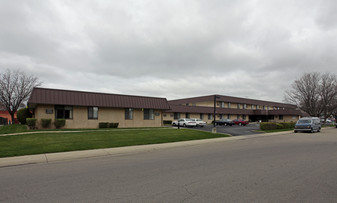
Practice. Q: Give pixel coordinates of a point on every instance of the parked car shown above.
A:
(224, 122)
(240, 122)
(199, 122)
(308, 124)
(185, 122)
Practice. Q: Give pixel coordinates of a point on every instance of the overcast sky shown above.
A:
(170, 48)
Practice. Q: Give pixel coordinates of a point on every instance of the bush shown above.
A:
(31, 122)
(59, 123)
(113, 125)
(103, 125)
(274, 126)
(45, 122)
(268, 126)
(23, 114)
(167, 122)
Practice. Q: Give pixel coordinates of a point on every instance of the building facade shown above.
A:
(231, 108)
(88, 109)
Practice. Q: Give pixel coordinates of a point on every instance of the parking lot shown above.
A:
(234, 130)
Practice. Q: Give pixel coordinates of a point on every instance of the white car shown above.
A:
(185, 122)
(199, 122)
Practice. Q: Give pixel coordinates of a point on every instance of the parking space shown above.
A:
(234, 130)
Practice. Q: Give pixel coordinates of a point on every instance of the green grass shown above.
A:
(15, 128)
(16, 145)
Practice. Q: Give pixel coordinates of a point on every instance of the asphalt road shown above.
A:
(291, 167)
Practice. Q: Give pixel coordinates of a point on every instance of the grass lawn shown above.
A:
(16, 145)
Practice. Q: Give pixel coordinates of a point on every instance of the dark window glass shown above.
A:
(281, 117)
(128, 114)
(148, 114)
(92, 112)
(64, 112)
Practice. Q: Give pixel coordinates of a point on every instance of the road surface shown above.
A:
(291, 167)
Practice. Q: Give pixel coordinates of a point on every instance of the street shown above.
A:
(287, 167)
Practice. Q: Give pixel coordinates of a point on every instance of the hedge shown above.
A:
(59, 123)
(274, 126)
(108, 125)
(45, 122)
(31, 122)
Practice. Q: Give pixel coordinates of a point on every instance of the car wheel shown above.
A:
(240, 123)
(225, 124)
(319, 130)
(312, 130)
(184, 125)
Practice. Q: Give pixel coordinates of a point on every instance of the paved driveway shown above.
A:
(234, 130)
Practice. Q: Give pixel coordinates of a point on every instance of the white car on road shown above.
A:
(185, 122)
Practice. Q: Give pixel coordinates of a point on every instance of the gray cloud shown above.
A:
(170, 49)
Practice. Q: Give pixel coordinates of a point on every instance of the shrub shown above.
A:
(273, 126)
(167, 122)
(268, 126)
(31, 122)
(113, 125)
(45, 122)
(103, 125)
(59, 123)
(23, 114)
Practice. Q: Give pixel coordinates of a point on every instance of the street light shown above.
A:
(214, 128)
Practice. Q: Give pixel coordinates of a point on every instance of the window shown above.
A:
(222, 104)
(221, 116)
(64, 112)
(210, 116)
(264, 107)
(244, 106)
(201, 116)
(148, 114)
(257, 107)
(128, 114)
(244, 117)
(176, 116)
(238, 116)
(187, 115)
(229, 105)
(280, 117)
(92, 112)
(238, 106)
(229, 116)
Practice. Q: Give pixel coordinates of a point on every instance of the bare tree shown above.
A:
(305, 94)
(15, 88)
(314, 93)
(328, 94)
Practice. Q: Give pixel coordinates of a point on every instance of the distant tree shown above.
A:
(314, 93)
(15, 88)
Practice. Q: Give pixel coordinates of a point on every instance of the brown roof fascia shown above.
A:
(229, 99)
(82, 98)
(199, 109)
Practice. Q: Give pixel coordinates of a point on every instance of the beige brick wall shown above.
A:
(112, 115)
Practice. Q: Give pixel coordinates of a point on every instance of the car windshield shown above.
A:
(304, 121)
(189, 120)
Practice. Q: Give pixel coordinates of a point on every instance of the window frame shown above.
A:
(64, 108)
(128, 114)
(92, 117)
(150, 114)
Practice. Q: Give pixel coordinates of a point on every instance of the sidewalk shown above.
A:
(52, 157)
